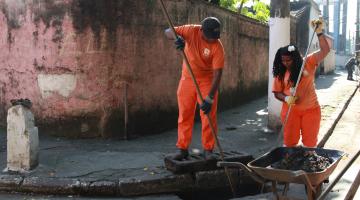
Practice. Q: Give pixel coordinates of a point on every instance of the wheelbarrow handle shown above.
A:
(234, 165)
(248, 171)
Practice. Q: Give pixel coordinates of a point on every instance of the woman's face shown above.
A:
(287, 61)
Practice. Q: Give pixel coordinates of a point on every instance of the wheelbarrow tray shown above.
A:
(262, 166)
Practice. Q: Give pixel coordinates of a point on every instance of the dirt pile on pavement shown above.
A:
(308, 161)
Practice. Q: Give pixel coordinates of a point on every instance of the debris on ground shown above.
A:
(309, 161)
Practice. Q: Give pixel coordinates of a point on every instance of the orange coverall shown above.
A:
(203, 57)
(305, 115)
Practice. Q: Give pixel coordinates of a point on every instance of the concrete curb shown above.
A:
(125, 187)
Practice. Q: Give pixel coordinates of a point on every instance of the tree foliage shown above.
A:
(258, 9)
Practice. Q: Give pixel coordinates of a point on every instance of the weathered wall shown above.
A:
(75, 58)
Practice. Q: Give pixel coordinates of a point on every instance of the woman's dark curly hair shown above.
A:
(279, 69)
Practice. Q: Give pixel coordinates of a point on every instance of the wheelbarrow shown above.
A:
(261, 170)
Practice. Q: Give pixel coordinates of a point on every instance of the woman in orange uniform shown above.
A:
(205, 53)
(304, 117)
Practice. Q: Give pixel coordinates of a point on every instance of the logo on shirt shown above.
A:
(206, 52)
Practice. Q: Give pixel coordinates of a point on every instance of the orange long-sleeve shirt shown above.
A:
(203, 56)
(305, 92)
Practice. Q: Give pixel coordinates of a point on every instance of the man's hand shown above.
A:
(180, 43)
(206, 105)
(318, 25)
(290, 100)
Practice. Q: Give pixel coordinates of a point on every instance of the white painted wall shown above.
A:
(329, 62)
(279, 36)
(62, 84)
(340, 60)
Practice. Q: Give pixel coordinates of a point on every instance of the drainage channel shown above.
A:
(209, 181)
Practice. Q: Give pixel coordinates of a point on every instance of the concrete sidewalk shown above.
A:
(135, 167)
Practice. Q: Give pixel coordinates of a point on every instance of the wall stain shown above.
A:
(36, 36)
(51, 13)
(3, 107)
(37, 66)
(48, 11)
(98, 15)
(13, 11)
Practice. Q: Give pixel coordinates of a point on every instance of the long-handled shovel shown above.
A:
(199, 94)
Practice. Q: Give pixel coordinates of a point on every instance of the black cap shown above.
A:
(211, 27)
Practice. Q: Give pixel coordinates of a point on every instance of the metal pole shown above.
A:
(344, 25)
(126, 111)
(326, 15)
(348, 165)
(357, 40)
(199, 94)
(354, 187)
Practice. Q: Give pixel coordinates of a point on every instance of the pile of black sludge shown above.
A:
(301, 159)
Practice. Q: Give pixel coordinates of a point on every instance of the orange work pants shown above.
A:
(187, 98)
(301, 122)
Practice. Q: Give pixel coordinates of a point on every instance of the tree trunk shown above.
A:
(241, 5)
(216, 2)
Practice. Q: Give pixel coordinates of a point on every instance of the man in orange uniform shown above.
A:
(205, 53)
(304, 118)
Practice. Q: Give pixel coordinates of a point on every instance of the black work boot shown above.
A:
(181, 154)
(209, 155)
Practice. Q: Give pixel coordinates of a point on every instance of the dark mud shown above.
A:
(308, 161)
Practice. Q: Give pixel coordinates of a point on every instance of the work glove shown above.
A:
(180, 43)
(290, 100)
(318, 24)
(206, 105)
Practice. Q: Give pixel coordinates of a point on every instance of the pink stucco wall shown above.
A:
(74, 59)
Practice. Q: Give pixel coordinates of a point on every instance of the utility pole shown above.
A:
(279, 36)
(326, 16)
(344, 25)
(336, 25)
(357, 39)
